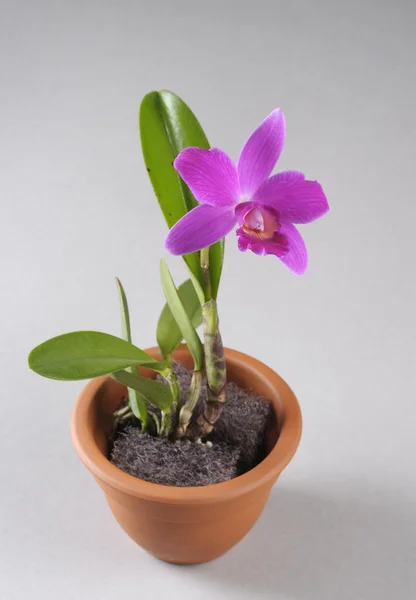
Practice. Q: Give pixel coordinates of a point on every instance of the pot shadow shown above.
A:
(311, 547)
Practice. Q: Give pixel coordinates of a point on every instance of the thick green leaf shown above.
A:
(179, 314)
(167, 126)
(153, 391)
(87, 354)
(169, 336)
(136, 402)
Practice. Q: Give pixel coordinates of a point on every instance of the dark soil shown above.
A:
(237, 443)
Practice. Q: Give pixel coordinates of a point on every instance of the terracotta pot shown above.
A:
(188, 525)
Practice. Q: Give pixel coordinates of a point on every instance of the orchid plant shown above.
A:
(203, 195)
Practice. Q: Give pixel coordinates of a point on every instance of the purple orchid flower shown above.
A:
(264, 207)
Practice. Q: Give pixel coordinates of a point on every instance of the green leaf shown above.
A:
(167, 126)
(87, 354)
(198, 289)
(216, 259)
(124, 310)
(153, 391)
(169, 336)
(180, 315)
(136, 402)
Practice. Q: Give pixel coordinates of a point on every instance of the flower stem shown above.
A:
(187, 409)
(206, 279)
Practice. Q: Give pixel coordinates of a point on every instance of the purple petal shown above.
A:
(297, 199)
(199, 228)
(297, 257)
(210, 174)
(260, 153)
(278, 245)
(288, 178)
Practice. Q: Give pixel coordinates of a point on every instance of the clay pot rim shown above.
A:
(87, 448)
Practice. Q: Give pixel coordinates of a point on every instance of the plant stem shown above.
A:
(214, 358)
(175, 389)
(215, 369)
(187, 409)
(166, 423)
(156, 421)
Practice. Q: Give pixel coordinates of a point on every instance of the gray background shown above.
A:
(77, 209)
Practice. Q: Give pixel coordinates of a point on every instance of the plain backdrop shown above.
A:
(77, 209)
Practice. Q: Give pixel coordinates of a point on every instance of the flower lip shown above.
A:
(277, 244)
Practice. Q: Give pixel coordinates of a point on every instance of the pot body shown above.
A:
(188, 525)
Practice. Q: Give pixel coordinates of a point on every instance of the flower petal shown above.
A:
(297, 199)
(210, 174)
(297, 257)
(260, 153)
(199, 228)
